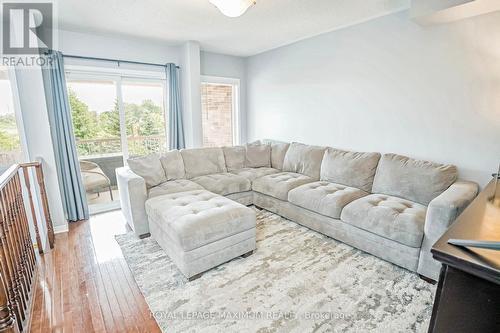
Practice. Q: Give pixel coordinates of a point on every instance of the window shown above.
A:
(219, 108)
(115, 116)
(10, 143)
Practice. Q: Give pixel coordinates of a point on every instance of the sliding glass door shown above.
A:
(145, 119)
(96, 119)
(114, 118)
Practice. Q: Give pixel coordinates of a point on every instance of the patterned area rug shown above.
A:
(297, 281)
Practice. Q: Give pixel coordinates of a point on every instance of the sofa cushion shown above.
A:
(304, 159)
(235, 157)
(349, 168)
(415, 180)
(253, 173)
(279, 184)
(278, 152)
(197, 218)
(257, 155)
(173, 186)
(203, 161)
(148, 167)
(173, 165)
(324, 198)
(223, 183)
(390, 217)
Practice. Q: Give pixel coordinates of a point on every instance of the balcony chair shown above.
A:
(94, 178)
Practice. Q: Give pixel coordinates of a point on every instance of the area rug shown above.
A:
(297, 281)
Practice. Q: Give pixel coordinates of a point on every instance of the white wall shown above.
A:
(134, 49)
(387, 85)
(215, 64)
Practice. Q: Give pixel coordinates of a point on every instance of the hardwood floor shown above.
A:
(85, 285)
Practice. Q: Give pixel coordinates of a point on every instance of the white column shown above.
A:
(38, 139)
(191, 95)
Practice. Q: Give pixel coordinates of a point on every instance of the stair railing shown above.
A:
(18, 261)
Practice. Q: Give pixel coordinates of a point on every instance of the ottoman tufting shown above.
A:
(200, 230)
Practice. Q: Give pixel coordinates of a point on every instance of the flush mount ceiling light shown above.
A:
(233, 8)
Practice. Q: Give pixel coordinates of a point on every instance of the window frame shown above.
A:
(117, 75)
(236, 107)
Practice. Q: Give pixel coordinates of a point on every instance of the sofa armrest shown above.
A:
(133, 196)
(442, 212)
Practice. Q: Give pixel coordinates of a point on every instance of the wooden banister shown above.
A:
(32, 206)
(17, 256)
(45, 204)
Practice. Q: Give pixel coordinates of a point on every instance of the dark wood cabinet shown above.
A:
(468, 293)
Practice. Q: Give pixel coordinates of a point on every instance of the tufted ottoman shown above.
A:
(200, 230)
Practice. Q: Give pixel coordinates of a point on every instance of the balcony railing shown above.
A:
(137, 145)
(7, 158)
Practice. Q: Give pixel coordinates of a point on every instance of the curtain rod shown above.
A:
(114, 60)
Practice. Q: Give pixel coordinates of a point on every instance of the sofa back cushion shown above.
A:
(173, 165)
(304, 159)
(148, 167)
(235, 157)
(278, 152)
(203, 161)
(415, 180)
(354, 169)
(257, 155)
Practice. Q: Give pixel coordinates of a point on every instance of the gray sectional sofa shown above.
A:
(390, 206)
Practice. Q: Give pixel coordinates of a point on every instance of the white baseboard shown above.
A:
(59, 229)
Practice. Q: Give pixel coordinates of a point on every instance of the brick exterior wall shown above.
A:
(217, 113)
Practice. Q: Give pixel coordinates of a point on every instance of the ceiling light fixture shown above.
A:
(233, 8)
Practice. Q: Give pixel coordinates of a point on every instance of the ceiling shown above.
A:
(267, 25)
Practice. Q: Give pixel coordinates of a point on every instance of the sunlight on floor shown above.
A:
(104, 227)
(102, 203)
